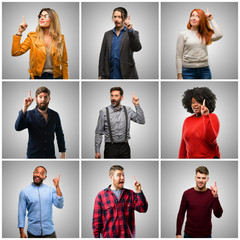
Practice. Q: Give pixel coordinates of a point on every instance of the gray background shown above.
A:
(223, 58)
(12, 15)
(97, 19)
(144, 138)
(173, 115)
(95, 178)
(18, 175)
(64, 100)
(177, 177)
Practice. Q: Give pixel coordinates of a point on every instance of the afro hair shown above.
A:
(199, 93)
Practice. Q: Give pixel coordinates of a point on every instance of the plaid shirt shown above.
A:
(113, 218)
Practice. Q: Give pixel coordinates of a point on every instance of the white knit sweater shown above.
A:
(191, 51)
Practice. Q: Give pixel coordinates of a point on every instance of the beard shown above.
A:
(42, 106)
(115, 103)
(37, 183)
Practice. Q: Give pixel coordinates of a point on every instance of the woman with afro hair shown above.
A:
(192, 55)
(200, 131)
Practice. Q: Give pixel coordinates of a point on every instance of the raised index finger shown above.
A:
(58, 176)
(132, 94)
(134, 179)
(204, 102)
(23, 19)
(29, 93)
(207, 10)
(215, 184)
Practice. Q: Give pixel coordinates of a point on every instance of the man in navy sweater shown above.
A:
(199, 202)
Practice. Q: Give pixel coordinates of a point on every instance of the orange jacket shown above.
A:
(38, 56)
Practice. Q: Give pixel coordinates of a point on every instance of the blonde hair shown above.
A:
(54, 32)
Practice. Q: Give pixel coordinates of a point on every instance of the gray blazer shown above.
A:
(129, 43)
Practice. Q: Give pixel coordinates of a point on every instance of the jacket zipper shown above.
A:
(40, 212)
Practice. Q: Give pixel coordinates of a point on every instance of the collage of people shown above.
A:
(119, 119)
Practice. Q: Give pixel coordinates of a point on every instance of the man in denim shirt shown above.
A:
(37, 199)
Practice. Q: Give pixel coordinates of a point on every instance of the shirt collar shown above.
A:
(34, 185)
(124, 29)
(38, 113)
(114, 109)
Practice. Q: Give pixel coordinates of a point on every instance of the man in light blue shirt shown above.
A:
(37, 199)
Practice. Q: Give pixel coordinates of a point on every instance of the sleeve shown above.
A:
(217, 208)
(102, 55)
(181, 214)
(211, 127)
(217, 31)
(182, 150)
(60, 135)
(137, 116)
(57, 200)
(99, 132)
(97, 223)
(22, 207)
(19, 49)
(179, 52)
(140, 202)
(134, 41)
(64, 61)
(22, 121)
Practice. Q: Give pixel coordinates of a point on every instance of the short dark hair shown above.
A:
(42, 89)
(117, 89)
(199, 93)
(41, 167)
(124, 13)
(202, 169)
(114, 168)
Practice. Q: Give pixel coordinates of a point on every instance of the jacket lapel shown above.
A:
(110, 44)
(124, 36)
(41, 46)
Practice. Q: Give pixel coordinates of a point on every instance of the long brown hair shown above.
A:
(54, 31)
(205, 32)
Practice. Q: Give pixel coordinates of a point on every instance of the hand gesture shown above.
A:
(208, 15)
(128, 23)
(56, 181)
(204, 109)
(214, 190)
(27, 102)
(22, 26)
(98, 155)
(137, 185)
(135, 100)
(23, 235)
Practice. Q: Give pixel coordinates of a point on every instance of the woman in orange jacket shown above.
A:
(48, 54)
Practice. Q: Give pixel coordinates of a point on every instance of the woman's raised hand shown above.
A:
(208, 15)
(22, 27)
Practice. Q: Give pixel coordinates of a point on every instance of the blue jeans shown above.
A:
(188, 236)
(196, 73)
(46, 76)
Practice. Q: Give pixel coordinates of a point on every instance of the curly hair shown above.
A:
(199, 93)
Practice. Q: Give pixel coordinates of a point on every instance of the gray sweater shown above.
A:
(191, 51)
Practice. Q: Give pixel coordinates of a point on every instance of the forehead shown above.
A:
(43, 94)
(117, 13)
(40, 169)
(44, 12)
(194, 100)
(194, 13)
(202, 175)
(115, 92)
(118, 172)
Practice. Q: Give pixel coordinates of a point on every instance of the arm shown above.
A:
(57, 198)
(183, 150)
(22, 206)
(181, 215)
(101, 63)
(140, 202)
(60, 137)
(64, 61)
(179, 55)
(134, 40)
(97, 224)
(98, 133)
(211, 127)
(137, 116)
(217, 209)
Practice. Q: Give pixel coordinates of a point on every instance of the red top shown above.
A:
(199, 206)
(199, 137)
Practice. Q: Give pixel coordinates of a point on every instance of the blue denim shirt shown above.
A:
(115, 70)
(41, 133)
(38, 202)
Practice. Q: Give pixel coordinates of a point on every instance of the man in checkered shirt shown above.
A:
(113, 215)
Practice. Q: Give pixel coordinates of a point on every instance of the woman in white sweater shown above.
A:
(192, 55)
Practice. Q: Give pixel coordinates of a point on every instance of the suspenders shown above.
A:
(109, 126)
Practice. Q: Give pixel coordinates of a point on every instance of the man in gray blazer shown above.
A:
(116, 56)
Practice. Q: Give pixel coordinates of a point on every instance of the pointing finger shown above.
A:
(58, 176)
(204, 102)
(29, 93)
(215, 184)
(134, 179)
(207, 10)
(129, 17)
(23, 19)
(133, 94)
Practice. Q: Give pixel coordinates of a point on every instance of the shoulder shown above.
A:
(183, 33)
(103, 193)
(25, 190)
(129, 192)
(189, 119)
(189, 191)
(53, 112)
(213, 115)
(108, 33)
(32, 34)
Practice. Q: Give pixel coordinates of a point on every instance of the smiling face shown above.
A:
(39, 175)
(118, 179)
(44, 20)
(196, 106)
(201, 181)
(194, 20)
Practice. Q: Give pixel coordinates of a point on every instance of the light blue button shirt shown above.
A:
(38, 202)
